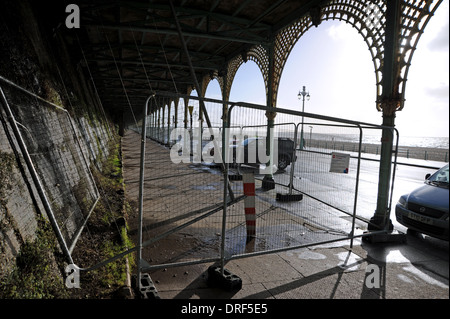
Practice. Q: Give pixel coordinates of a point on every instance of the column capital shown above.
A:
(389, 106)
(271, 115)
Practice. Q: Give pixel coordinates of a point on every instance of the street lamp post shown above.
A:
(302, 95)
(190, 108)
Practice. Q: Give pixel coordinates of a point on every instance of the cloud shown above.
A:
(440, 92)
(437, 31)
(341, 32)
(441, 40)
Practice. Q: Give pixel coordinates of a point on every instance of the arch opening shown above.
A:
(248, 86)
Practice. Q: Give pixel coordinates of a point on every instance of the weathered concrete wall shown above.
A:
(17, 209)
(63, 143)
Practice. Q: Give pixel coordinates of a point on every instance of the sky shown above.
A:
(335, 65)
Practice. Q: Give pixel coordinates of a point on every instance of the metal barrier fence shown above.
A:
(49, 144)
(160, 126)
(296, 188)
(211, 203)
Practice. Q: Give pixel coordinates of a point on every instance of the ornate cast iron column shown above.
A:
(405, 22)
(389, 102)
(268, 181)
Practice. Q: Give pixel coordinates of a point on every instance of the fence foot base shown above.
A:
(227, 281)
(147, 289)
(268, 183)
(394, 237)
(234, 177)
(250, 238)
(289, 197)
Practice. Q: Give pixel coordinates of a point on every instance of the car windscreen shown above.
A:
(440, 178)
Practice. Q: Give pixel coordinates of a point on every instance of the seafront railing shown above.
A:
(421, 153)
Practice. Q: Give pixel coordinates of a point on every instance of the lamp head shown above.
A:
(304, 94)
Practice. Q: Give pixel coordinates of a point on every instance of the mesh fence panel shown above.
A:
(52, 142)
(306, 193)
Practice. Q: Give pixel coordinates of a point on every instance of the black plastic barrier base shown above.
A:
(234, 177)
(289, 197)
(268, 183)
(227, 281)
(394, 237)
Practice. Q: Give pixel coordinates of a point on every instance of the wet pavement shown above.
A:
(415, 269)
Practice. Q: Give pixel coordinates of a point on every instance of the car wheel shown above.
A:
(282, 162)
(412, 232)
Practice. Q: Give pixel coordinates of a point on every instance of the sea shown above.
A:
(431, 142)
(404, 141)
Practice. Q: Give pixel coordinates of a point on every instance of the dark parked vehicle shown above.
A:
(425, 209)
(251, 147)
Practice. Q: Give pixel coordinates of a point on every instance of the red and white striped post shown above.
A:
(249, 204)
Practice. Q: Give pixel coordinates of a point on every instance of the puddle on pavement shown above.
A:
(405, 278)
(395, 256)
(307, 254)
(204, 187)
(349, 261)
(423, 276)
(275, 237)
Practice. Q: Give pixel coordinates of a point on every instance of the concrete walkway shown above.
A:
(417, 269)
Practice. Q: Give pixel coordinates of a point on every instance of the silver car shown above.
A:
(425, 209)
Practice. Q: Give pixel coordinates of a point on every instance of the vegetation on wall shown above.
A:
(36, 273)
(39, 268)
(7, 166)
(7, 163)
(106, 234)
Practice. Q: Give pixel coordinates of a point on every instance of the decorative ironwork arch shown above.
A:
(368, 17)
(257, 54)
